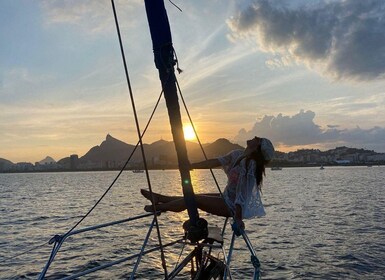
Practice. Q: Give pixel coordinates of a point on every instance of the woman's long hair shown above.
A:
(260, 164)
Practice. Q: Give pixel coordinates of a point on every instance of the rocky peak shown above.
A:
(47, 160)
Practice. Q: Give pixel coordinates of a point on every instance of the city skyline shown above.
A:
(306, 74)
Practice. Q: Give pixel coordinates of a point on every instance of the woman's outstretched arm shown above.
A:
(206, 164)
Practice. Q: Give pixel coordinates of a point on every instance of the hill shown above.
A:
(221, 147)
(110, 149)
(114, 153)
(47, 160)
(5, 164)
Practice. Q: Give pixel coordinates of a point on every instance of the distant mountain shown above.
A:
(161, 150)
(5, 164)
(111, 149)
(115, 150)
(64, 161)
(221, 147)
(218, 148)
(47, 160)
(5, 161)
(113, 153)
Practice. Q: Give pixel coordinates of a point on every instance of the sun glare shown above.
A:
(188, 132)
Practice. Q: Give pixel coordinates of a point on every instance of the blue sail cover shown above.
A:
(165, 61)
(158, 22)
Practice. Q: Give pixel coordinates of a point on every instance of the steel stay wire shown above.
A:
(103, 195)
(236, 229)
(122, 169)
(139, 136)
(139, 142)
(57, 240)
(199, 141)
(106, 191)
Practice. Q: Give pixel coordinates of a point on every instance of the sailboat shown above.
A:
(198, 234)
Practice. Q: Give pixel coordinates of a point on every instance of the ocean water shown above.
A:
(320, 224)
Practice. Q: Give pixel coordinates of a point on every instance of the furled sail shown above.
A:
(165, 62)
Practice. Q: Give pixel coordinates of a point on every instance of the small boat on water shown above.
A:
(137, 171)
(276, 168)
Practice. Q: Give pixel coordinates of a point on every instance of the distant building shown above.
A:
(24, 166)
(74, 162)
(375, 158)
(342, 161)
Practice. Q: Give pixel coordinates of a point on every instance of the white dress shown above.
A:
(241, 188)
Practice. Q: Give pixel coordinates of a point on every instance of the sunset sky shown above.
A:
(306, 74)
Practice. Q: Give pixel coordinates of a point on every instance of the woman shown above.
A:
(241, 197)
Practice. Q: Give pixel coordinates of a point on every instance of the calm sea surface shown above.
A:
(320, 224)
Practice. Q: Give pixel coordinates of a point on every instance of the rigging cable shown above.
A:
(199, 141)
(140, 138)
(175, 5)
(122, 169)
(105, 192)
(236, 229)
(58, 238)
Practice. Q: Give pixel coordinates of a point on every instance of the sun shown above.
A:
(188, 132)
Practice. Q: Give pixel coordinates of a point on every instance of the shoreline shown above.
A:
(176, 168)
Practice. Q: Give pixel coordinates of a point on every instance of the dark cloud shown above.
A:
(300, 129)
(344, 39)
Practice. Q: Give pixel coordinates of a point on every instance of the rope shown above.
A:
(122, 169)
(199, 141)
(181, 251)
(111, 185)
(105, 192)
(236, 229)
(139, 136)
(175, 5)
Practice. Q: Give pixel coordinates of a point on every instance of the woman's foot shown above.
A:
(158, 198)
(150, 209)
(147, 194)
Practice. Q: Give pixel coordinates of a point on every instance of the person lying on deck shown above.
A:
(241, 198)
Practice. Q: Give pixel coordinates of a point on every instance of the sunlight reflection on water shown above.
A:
(320, 224)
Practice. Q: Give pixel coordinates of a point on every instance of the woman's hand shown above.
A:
(240, 224)
(238, 227)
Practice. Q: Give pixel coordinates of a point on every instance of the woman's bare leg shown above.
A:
(160, 198)
(211, 204)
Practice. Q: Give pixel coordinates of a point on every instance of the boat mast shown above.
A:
(165, 62)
